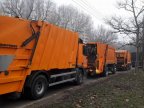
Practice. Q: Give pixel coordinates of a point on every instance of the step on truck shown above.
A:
(123, 60)
(100, 59)
(35, 55)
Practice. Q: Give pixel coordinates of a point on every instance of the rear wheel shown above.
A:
(79, 77)
(114, 69)
(37, 89)
(105, 72)
(126, 68)
(129, 66)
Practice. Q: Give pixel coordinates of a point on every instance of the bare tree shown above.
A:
(104, 35)
(130, 27)
(19, 8)
(69, 17)
(44, 10)
(65, 16)
(143, 43)
(28, 9)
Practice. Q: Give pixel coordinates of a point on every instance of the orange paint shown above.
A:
(123, 59)
(56, 48)
(105, 55)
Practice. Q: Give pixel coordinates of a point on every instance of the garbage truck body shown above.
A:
(100, 58)
(35, 55)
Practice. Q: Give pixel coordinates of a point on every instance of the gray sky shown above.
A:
(97, 9)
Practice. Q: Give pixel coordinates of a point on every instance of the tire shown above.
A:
(79, 77)
(114, 69)
(130, 67)
(126, 68)
(105, 72)
(37, 88)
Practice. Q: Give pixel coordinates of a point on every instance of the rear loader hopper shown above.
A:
(100, 58)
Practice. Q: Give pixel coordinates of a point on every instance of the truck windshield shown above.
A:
(90, 50)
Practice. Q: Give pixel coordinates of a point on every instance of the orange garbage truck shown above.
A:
(123, 60)
(100, 59)
(35, 55)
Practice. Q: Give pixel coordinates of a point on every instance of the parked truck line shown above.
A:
(35, 55)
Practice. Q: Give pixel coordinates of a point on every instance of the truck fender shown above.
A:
(33, 75)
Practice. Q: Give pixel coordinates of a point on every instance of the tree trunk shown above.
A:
(137, 51)
(143, 45)
(137, 60)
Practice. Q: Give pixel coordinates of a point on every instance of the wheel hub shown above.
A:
(39, 87)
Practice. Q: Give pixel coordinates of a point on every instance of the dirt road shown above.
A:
(53, 94)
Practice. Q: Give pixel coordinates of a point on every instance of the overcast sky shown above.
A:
(98, 9)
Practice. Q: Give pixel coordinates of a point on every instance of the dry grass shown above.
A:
(122, 91)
